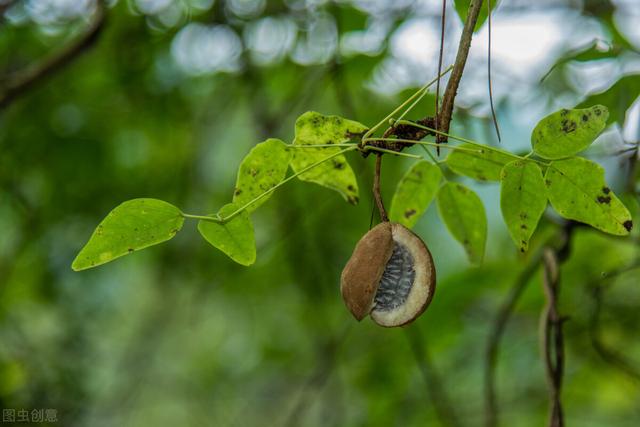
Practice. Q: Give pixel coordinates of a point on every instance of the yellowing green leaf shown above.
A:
(463, 213)
(414, 193)
(234, 237)
(567, 132)
(523, 199)
(316, 129)
(577, 191)
(480, 163)
(133, 225)
(262, 169)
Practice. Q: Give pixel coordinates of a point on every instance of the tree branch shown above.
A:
(446, 111)
(33, 75)
(497, 332)
(609, 355)
(437, 394)
(563, 242)
(551, 339)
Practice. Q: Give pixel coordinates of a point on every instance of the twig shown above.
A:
(33, 75)
(437, 394)
(440, 55)
(497, 331)
(493, 110)
(319, 377)
(445, 113)
(551, 339)
(376, 190)
(609, 355)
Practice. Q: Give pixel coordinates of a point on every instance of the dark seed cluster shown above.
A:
(396, 281)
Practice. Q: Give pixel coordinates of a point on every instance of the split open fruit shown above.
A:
(390, 276)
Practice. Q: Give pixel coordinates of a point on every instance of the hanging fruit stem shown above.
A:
(376, 189)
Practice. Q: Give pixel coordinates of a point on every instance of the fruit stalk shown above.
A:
(376, 190)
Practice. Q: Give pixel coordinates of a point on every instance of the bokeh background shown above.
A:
(164, 101)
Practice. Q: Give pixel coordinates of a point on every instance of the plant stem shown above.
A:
(446, 111)
(201, 217)
(552, 341)
(493, 110)
(376, 190)
(411, 141)
(395, 153)
(424, 92)
(461, 139)
(401, 106)
(269, 191)
(320, 145)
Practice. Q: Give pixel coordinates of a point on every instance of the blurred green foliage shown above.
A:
(179, 334)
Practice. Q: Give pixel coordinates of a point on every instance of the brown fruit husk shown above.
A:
(424, 284)
(361, 276)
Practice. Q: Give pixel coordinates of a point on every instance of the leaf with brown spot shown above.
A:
(263, 168)
(567, 132)
(463, 213)
(523, 199)
(414, 193)
(235, 237)
(135, 224)
(479, 163)
(577, 191)
(313, 128)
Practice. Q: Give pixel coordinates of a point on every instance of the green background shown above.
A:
(179, 334)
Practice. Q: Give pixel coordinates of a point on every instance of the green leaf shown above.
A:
(234, 237)
(133, 225)
(480, 163)
(462, 7)
(414, 193)
(523, 199)
(463, 213)
(577, 191)
(262, 169)
(618, 98)
(314, 128)
(567, 132)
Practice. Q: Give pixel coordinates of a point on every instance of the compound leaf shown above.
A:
(523, 199)
(262, 169)
(463, 213)
(477, 162)
(133, 225)
(234, 237)
(577, 190)
(414, 193)
(567, 132)
(316, 129)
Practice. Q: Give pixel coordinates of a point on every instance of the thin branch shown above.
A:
(444, 410)
(493, 110)
(446, 111)
(376, 190)
(36, 74)
(496, 334)
(440, 55)
(616, 359)
(325, 366)
(551, 339)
